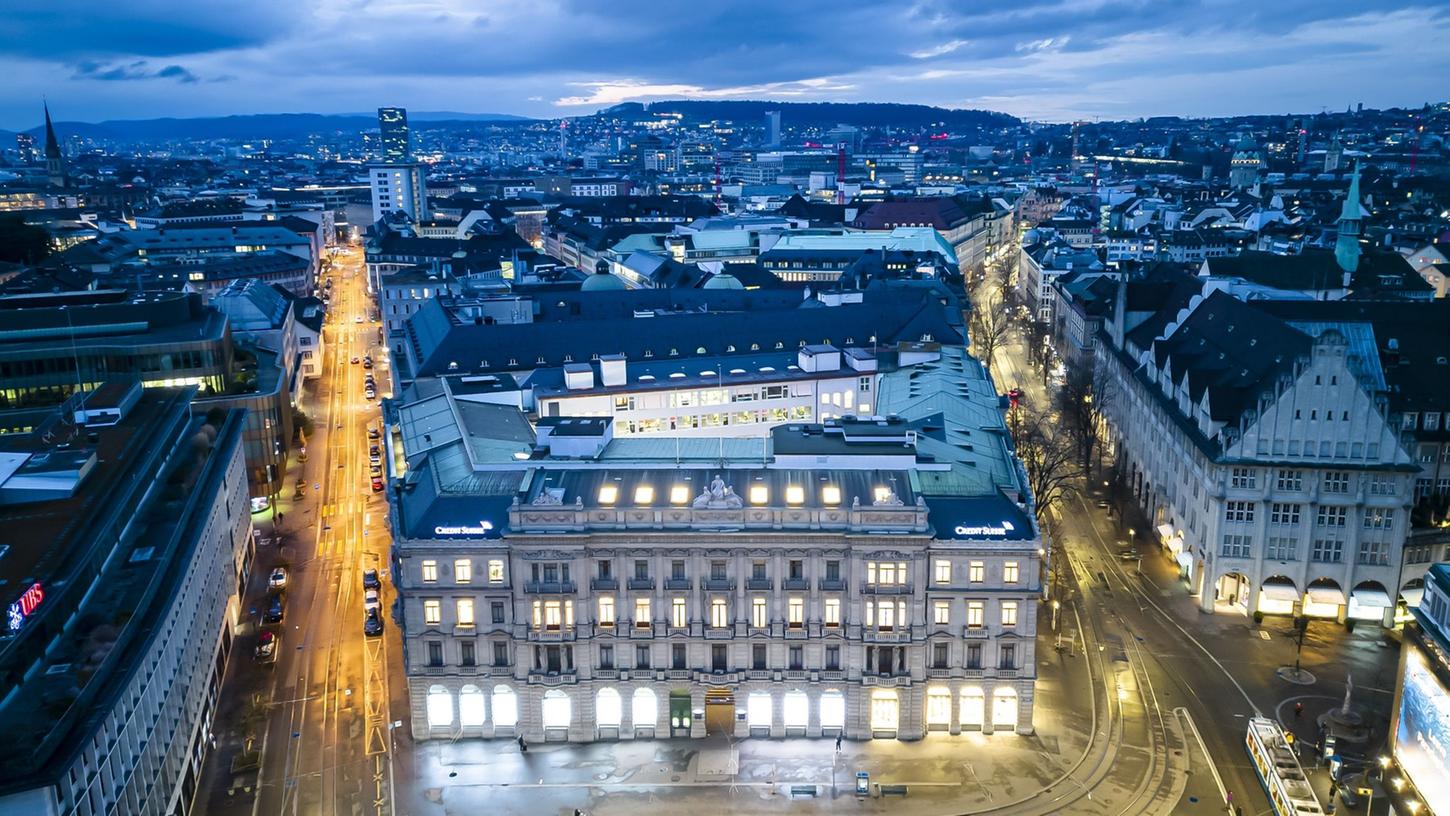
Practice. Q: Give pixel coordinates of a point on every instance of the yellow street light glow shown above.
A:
(608, 494)
(795, 494)
(830, 494)
(679, 494)
(759, 494)
(644, 494)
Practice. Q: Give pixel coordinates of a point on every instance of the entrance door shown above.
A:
(719, 711)
(680, 714)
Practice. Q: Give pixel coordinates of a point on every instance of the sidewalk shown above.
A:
(943, 773)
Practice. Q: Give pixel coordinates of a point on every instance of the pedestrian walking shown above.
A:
(1229, 797)
(839, 737)
(523, 746)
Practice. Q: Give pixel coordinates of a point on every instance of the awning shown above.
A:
(1280, 592)
(1370, 598)
(1326, 595)
(1165, 532)
(1412, 596)
(1185, 559)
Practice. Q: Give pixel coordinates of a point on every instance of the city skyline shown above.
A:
(1047, 62)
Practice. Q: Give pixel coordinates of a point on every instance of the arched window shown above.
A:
(644, 708)
(556, 709)
(833, 709)
(440, 707)
(757, 709)
(974, 707)
(607, 708)
(471, 706)
(796, 710)
(505, 707)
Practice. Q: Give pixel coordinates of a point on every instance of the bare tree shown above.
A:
(1038, 339)
(1050, 457)
(988, 328)
(1087, 393)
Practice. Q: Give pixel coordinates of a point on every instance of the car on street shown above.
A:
(370, 393)
(278, 579)
(372, 432)
(370, 579)
(375, 459)
(377, 484)
(375, 469)
(275, 610)
(355, 361)
(374, 450)
(1103, 504)
(357, 319)
(367, 362)
(371, 599)
(373, 623)
(267, 643)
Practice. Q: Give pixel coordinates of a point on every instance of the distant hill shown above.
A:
(824, 114)
(259, 126)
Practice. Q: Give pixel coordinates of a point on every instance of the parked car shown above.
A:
(375, 470)
(371, 599)
(267, 644)
(375, 459)
(373, 623)
(370, 393)
(374, 450)
(357, 319)
(355, 360)
(367, 362)
(278, 579)
(373, 432)
(275, 610)
(370, 579)
(377, 484)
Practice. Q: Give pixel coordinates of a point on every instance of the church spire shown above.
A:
(54, 161)
(1346, 246)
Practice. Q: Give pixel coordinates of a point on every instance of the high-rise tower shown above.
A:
(393, 128)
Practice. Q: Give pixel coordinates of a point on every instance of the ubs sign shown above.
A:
(28, 602)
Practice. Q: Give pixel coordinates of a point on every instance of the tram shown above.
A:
(1278, 767)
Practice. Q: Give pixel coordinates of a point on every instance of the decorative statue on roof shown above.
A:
(718, 496)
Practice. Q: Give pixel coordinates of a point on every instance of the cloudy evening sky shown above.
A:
(1043, 59)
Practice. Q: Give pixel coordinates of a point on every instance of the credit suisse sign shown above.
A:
(27, 603)
(463, 530)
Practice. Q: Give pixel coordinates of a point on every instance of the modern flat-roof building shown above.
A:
(872, 577)
(127, 547)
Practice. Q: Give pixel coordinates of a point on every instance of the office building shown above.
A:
(871, 577)
(399, 188)
(124, 563)
(772, 129)
(393, 133)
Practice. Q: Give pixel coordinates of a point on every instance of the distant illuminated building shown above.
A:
(25, 145)
(398, 187)
(393, 129)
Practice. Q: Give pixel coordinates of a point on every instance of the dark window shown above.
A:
(606, 569)
(939, 656)
(641, 569)
(757, 571)
(757, 656)
(466, 653)
(797, 658)
(1009, 656)
(833, 570)
(606, 657)
(717, 570)
(974, 655)
(677, 570)
(497, 608)
(641, 657)
(500, 654)
(717, 658)
(797, 570)
(435, 653)
(677, 656)
(833, 657)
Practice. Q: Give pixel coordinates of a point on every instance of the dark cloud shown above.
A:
(83, 29)
(132, 71)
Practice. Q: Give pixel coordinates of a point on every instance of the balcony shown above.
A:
(797, 674)
(938, 672)
(719, 633)
(976, 632)
(547, 678)
(887, 589)
(679, 674)
(796, 584)
(900, 634)
(718, 584)
(833, 674)
(610, 673)
(604, 584)
(550, 587)
(644, 584)
(832, 585)
(759, 584)
(759, 674)
(795, 632)
(972, 673)
(554, 635)
(1006, 674)
(642, 632)
(680, 584)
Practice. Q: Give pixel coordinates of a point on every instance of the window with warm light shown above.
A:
(495, 572)
(678, 616)
(942, 572)
(608, 494)
(433, 612)
(941, 612)
(641, 613)
(644, 494)
(759, 494)
(976, 615)
(830, 494)
(606, 611)
(881, 493)
(679, 494)
(462, 571)
(430, 571)
(833, 612)
(795, 494)
(796, 612)
(719, 616)
(465, 611)
(1009, 572)
(976, 572)
(1009, 613)
(757, 613)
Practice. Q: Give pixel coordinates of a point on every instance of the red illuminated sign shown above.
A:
(27, 603)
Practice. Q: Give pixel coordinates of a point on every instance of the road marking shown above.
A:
(1263, 634)
(1193, 727)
